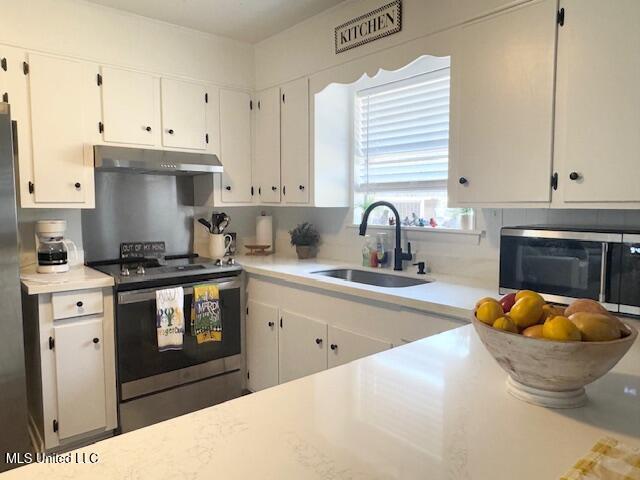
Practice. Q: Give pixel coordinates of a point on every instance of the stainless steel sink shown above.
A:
(371, 278)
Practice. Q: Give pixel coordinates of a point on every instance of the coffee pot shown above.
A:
(52, 248)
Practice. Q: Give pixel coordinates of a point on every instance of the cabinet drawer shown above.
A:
(76, 303)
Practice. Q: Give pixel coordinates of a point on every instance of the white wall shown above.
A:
(308, 47)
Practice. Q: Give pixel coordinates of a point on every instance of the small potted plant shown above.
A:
(305, 238)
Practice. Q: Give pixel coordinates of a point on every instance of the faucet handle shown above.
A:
(407, 255)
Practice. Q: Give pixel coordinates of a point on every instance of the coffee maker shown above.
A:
(51, 246)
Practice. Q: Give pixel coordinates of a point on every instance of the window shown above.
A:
(401, 150)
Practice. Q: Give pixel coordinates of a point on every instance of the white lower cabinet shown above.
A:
(70, 363)
(302, 346)
(293, 332)
(346, 346)
(79, 376)
(262, 345)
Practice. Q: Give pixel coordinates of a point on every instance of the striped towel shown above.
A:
(607, 460)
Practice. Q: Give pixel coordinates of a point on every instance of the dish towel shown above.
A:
(170, 318)
(607, 460)
(206, 318)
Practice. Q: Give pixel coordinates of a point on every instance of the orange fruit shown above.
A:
(485, 299)
(534, 331)
(529, 293)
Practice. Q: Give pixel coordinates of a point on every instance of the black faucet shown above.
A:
(398, 255)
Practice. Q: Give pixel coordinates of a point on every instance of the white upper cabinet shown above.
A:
(502, 107)
(267, 146)
(598, 103)
(184, 114)
(59, 95)
(295, 141)
(235, 146)
(130, 106)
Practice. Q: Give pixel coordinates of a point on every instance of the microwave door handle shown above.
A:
(603, 273)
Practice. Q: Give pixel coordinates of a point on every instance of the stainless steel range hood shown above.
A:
(156, 162)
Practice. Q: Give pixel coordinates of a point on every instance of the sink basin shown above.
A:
(371, 278)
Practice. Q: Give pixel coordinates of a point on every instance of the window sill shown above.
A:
(425, 230)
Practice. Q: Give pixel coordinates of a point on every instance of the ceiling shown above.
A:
(245, 20)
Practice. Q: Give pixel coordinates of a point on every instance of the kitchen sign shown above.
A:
(379, 23)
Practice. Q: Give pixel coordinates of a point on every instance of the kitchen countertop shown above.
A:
(436, 408)
(446, 295)
(77, 278)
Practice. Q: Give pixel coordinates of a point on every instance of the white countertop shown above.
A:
(446, 295)
(77, 278)
(433, 409)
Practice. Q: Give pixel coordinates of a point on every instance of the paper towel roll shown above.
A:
(264, 230)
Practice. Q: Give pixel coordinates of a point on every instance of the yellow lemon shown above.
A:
(561, 328)
(488, 312)
(485, 299)
(526, 312)
(529, 293)
(550, 311)
(505, 323)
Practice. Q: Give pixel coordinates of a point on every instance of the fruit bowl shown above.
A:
(552, 373)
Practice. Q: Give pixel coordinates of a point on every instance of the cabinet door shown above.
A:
(235, 146)
(345, 346)
(129, 106)
(598, 101)
(59, 93)
(262, 345)
(295, 141)
(79, 377)
(184, 114)
(267, 153)
(302, 345)
(502, 107)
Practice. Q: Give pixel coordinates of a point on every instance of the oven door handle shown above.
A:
(138, 296)
(603, 273)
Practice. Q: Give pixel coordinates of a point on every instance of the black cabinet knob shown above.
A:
(574, 175)
(148, 129)
(228, 188)
(463, 181)
(79, 304)
(96, 340)
(77, 185)
(274, 188)
(318, 341)
(334, 346)
(301, 187)
(170, 131)
(271, 324)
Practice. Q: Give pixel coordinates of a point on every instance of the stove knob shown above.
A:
(140, 270)
(231, 261)
(124, 271)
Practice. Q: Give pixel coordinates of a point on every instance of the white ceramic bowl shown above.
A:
(552, 373)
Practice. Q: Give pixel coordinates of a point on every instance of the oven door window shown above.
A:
(138, 355)
(568, 268)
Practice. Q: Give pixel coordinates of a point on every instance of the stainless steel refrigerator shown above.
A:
(14, 436)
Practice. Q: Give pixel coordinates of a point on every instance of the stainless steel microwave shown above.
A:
(565, 263)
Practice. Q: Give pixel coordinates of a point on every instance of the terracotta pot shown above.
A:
(306, 251)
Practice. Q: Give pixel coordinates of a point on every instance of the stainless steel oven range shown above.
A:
(565, 263)
(155, 386)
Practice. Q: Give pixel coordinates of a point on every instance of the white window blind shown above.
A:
(402, 134)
